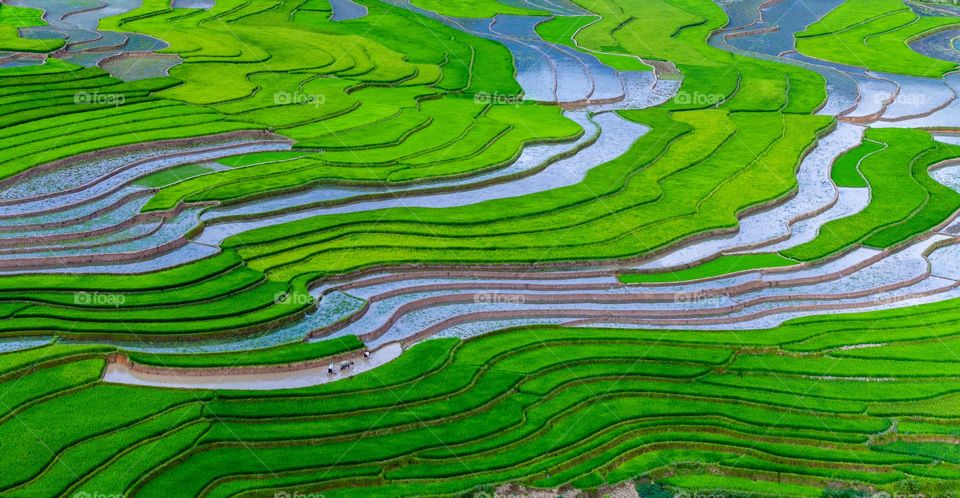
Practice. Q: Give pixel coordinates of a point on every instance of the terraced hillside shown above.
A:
(463, 248)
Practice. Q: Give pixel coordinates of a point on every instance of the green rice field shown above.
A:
(479, 248)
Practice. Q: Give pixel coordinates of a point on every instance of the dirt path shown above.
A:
(269, 379)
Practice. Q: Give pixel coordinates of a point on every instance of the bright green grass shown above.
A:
(458, 414)
(845, 172)
(11, 19)
(48, 381)
(260, 157)
(562, 29)
(364, 100)
(853, 12)
(21, 16)
(688, 175)
(11, 363)
(302, 258)
(473, 8)
(544, 406)
(650, 460)
(57, 436)
(904, 199)
(432, 150)
(172, 175)
(723, 265)
(847, 474)
(277, 355)
(847, 367)
(215, 293)
(875, 34)
(690, 199)
(30, 117)
(713, 483)
(123, 472)
(88, 455)
(946, 350)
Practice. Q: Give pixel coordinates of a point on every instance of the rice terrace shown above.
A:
(479, 248)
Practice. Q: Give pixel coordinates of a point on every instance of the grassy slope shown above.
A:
(44, 121)
(562, 30)
(545, 406)
(846, 171)
(541, 210)
(688, 175)
(723, 265)
(277, 355)
(13, 18)
(473, 8)
(579, 405)
(172, 175)
(365, 100)
(875, 34)
(905, 200)
(240, 297)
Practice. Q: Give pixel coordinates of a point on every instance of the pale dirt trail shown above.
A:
(269, 379)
